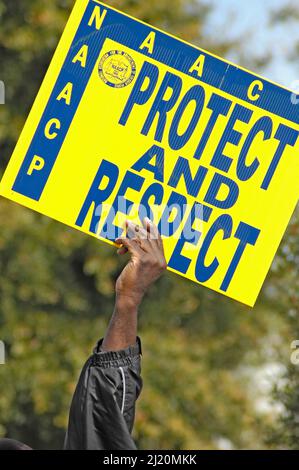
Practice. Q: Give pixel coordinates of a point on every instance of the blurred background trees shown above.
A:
(209, 363)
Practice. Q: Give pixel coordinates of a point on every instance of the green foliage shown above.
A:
(57, 286)
(285, 433)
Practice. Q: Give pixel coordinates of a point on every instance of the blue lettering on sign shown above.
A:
(178, 261)
(220, 107)
(31, 178)
(121, 204)
(139, 96)
(220, 160)
(247, 235)
(155, 193)
(144, 162)
(263, 125)
(224, 224)
(162, 106)
(96, 196)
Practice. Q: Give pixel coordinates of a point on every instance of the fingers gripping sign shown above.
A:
(147, 261)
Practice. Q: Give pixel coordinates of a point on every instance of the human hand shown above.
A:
(147, 261)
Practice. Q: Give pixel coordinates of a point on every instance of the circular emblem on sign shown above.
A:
(117, 69)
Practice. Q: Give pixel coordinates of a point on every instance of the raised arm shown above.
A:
(103, 407)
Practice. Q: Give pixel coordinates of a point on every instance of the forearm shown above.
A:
(122, 329)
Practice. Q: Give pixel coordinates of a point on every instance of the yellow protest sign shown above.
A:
(132, 122)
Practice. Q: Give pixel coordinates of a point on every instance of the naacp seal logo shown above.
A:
(117, 69)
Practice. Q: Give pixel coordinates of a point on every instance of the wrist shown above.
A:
(128, 302)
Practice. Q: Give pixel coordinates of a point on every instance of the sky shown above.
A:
(248, 20)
